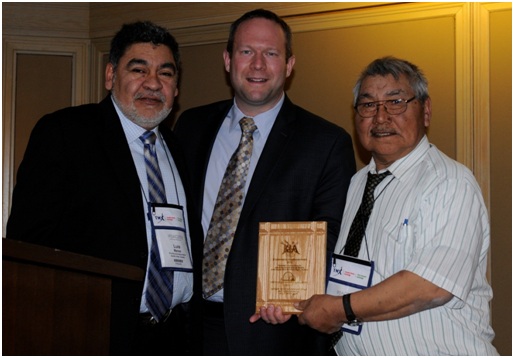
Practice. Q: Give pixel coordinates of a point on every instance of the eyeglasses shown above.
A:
(392, 106)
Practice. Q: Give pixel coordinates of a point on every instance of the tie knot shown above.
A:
(148, 137)
(247, 125)
(375, 179)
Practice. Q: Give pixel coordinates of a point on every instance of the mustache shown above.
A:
(151, 94)
(382, 130)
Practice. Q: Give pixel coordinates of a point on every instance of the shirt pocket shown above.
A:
(397, 243)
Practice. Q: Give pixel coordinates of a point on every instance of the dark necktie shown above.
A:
(159, 290)
(226, 212)
(354, 241)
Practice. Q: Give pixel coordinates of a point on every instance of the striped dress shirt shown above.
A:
(182, 281)
(429, 218)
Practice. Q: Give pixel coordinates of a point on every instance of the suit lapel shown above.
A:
(118, 153)
(208, 134)
(271, 156)
(170, 141)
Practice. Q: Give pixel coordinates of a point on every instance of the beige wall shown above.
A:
(464, 49)
(327, 65)
(329, 62)
(52, 74)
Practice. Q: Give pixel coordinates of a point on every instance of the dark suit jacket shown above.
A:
(78, 190)
(302, 175)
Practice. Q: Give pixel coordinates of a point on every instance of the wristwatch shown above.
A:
(350, 316)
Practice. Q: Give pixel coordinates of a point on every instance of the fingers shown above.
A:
(255, 317)
(300, 305)
(271, 315)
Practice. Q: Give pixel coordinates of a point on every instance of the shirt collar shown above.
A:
(264, 121)
(132, 130)
(401, 166)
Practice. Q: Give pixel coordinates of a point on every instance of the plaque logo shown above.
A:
(290, 249)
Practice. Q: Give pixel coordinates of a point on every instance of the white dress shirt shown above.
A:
(429, 218)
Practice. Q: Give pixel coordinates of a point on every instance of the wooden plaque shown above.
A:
(291, 263)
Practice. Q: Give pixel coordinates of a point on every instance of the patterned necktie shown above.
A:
(159, 291)
(353, 244)
(354, 241)
(226, 212)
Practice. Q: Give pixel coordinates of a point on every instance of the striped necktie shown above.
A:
(159, 291)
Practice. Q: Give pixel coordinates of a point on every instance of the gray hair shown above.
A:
(396, 67)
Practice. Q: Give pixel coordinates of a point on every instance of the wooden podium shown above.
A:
(56, 302)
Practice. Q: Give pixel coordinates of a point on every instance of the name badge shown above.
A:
(169, 230)
(349, 274)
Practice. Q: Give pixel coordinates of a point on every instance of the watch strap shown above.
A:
(350, 316)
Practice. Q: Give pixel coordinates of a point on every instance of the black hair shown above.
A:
(142, 32)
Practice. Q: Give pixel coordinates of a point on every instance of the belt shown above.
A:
(213, 309)
(146, 319)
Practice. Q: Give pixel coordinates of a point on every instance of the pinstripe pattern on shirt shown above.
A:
(445, 241)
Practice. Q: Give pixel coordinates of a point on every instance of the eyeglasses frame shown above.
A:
(384, 101)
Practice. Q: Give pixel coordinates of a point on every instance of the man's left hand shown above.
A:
(321, 312)
(270, 314)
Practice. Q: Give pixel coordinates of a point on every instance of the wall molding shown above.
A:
(187, 17)
(481, 94)
(45, 19)
(12, 47)
(201, 23)
(323, 18)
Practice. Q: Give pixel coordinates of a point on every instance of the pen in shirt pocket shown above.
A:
(404, 230)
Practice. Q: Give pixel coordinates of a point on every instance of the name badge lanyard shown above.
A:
(170, 230)
(350, 274)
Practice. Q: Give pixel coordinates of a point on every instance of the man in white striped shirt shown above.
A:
(428, 233)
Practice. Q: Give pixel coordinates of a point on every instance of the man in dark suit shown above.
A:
(83, 187)
(300, 170)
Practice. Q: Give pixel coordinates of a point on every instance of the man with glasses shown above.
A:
(423, 247)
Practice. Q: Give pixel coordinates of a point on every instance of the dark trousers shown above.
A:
(215, 339)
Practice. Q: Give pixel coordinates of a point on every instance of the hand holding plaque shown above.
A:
(291, 263)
